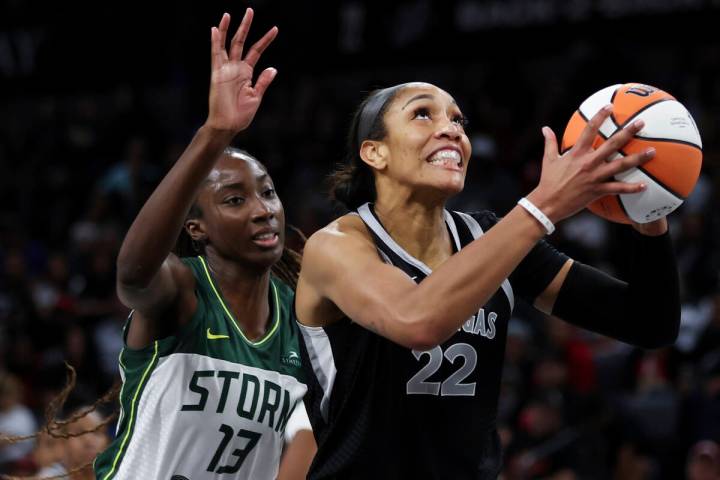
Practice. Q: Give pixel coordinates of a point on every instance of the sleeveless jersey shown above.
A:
(383, 411)
(207, 402)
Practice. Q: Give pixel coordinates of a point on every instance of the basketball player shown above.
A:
(404, 305)
(211, 366)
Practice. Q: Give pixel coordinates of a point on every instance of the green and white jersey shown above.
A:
(207, 403)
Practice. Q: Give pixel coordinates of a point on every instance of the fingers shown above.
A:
(616, 188)
(223, 28)
(618, 140)
(626, 163)
(551, 145)
(217, 41)
(238, 41)
(587, 137)
(216, 54)
(256, 50)
(264, 80)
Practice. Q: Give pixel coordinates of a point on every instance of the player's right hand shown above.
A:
(569, 182)
(234, 99)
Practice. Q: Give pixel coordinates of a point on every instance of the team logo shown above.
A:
(641, 90)
(213, 336)
(292, 358)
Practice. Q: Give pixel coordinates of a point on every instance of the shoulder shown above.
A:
(337, 248)
(485, 218)
(346, 230)
(186, 270)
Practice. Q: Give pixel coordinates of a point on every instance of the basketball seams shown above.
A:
(660, 184)
(620, 202)
(669, 140)
(612, 114)
(639, 137)
(634, 115)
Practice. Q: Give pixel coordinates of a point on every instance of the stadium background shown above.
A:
(98, 99)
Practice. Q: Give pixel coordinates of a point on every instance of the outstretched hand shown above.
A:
(234, 99)
(583, 174)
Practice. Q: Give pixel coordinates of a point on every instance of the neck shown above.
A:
(245, 291)
(417, 227)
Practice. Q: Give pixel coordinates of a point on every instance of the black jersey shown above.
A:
(383, 411)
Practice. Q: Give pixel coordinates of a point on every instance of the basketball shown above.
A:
(669, 128)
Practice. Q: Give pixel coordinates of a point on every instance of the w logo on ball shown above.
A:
(641, 90)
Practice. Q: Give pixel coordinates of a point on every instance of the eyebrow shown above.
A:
(418, 97)
(231, 186)
(421, 97)
(240, 185)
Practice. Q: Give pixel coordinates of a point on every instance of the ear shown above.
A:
(196, 230)
(374, 153)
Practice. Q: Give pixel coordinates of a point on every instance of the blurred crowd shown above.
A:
(79, 162)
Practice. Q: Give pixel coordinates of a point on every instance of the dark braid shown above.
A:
(287, 268)
(185, 246)
(353, 181)
(50, 412)
(58, 428)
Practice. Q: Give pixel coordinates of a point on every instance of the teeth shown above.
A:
(444, 157)
(265, 236)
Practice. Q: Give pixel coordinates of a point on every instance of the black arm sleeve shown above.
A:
(535, 272)
(644, 312)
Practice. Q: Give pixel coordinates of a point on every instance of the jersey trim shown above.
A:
(319, 349)
(276, 322)
(372, 222)
(477, 231)
(151, 365)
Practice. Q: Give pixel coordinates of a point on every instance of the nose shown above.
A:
(450, 130)
(262, 210)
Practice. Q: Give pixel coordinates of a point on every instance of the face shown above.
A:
(242, 216)
(426, 148)
(83, 448)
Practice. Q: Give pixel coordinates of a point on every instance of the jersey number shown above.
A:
(240, 453)
(452, 386)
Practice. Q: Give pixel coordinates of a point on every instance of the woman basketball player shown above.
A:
(404, 305)
(211, 368)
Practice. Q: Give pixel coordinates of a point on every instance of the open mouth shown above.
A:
(266, 239)
(447, 158)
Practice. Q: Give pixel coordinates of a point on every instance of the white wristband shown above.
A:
(538, 214)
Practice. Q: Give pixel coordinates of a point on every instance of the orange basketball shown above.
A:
(670, 176)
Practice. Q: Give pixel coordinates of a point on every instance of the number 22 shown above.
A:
(452, 386)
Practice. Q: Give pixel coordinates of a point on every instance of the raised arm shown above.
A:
(341, 267)
(149, 277)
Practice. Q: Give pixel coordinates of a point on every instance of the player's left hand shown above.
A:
(234, 99)
(652, 229)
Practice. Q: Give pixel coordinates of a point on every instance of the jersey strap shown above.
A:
(477, 231)
(391, 252)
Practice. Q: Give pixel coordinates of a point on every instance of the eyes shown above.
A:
(235, 199)
(269, 193)
(424, 113)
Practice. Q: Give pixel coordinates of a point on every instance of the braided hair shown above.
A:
(56, 428)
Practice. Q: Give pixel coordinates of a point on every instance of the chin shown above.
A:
(450, 187)
(260, 259)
